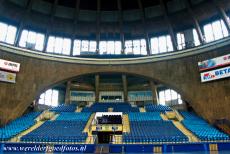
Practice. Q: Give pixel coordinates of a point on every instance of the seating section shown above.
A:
(148, 127)
(58, 131)
(64, 108)
(17, 126)
(73, 116)
(144, 116)
(157, 108)
(117, 107)
(201, 128)
(67, 127)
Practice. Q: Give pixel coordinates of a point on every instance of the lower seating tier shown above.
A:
(153, 131)
(58, 131)
(17, 126)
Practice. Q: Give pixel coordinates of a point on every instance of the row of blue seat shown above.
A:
(144, 116)
(64, 108)
(201, 128)
(157, 108)
(73, 116)
(18, 125)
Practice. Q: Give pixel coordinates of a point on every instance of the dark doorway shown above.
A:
(104, 137)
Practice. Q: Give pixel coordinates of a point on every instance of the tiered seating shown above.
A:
(64, 108)
(117, 107)
(149, 127)
(144, 116)
(201, 128)
(67, 127)
(76, 116)
(156, 108)
(58, 131)
(17, 126)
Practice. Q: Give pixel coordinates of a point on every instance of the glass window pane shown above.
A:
(162, 44)
(58, 46)
(143, 47)
(50, 44)
(48, 97)
(55, 98)
(11, 33)
(196, 38)
(162, 97)
(40, 42)
(208, 33)
(103, 47)
(31, 37)
(84, 45)
(168, 95)
(76, 47)
(128, 47)
(217, 30)
(117, 47)
(42, 99)
(66, 46)
(23, 39)
(3, 29)
(136, 47)
(169, 43)
(110, 47)
(155, 45)
(173, 94)
(180, 41)
(92, 46)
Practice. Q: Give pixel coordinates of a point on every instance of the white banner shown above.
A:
(7, 77)
(215, 74)
(215, 62)
(9, 65)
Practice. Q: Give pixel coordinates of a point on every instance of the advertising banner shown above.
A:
(7, 77)
(215, 62)
(9, 65)
(215, 74)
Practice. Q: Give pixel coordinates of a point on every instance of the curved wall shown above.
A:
(210, 100)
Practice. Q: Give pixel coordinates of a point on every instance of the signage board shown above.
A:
(9, 65)
(7, 77)
(215, 74)
(214, 63)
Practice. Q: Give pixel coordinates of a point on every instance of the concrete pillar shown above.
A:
(125, 88)
(189, 39)
(97, 84)
(222, 14)
(67, 93)
(154, 92)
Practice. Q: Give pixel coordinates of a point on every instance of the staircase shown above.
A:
(164, 117)
(126, 125)
(79, 109)
(185, 131)
(87, 126)
(142, 109)
(35, 126)
(102, 149)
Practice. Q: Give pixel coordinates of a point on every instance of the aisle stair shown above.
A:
(126, 124)
(78, 109)
(87, 126)
(185, 131)
(142, 109)
(17, 138)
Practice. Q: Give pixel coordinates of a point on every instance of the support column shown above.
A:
(196, 23)
(222, 14)
(125, 88)
(67, 93)
(97, 84)
(153, 87)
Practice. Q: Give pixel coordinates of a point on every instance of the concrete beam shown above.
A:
(125, 87)
(67, 93)
(222, 14)
(196, 23)
(170, 28)
(154, 92)
(97, 85)
(122, 36)
(148, 48)
(98, 24)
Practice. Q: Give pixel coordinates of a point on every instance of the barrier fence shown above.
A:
(113, 148)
